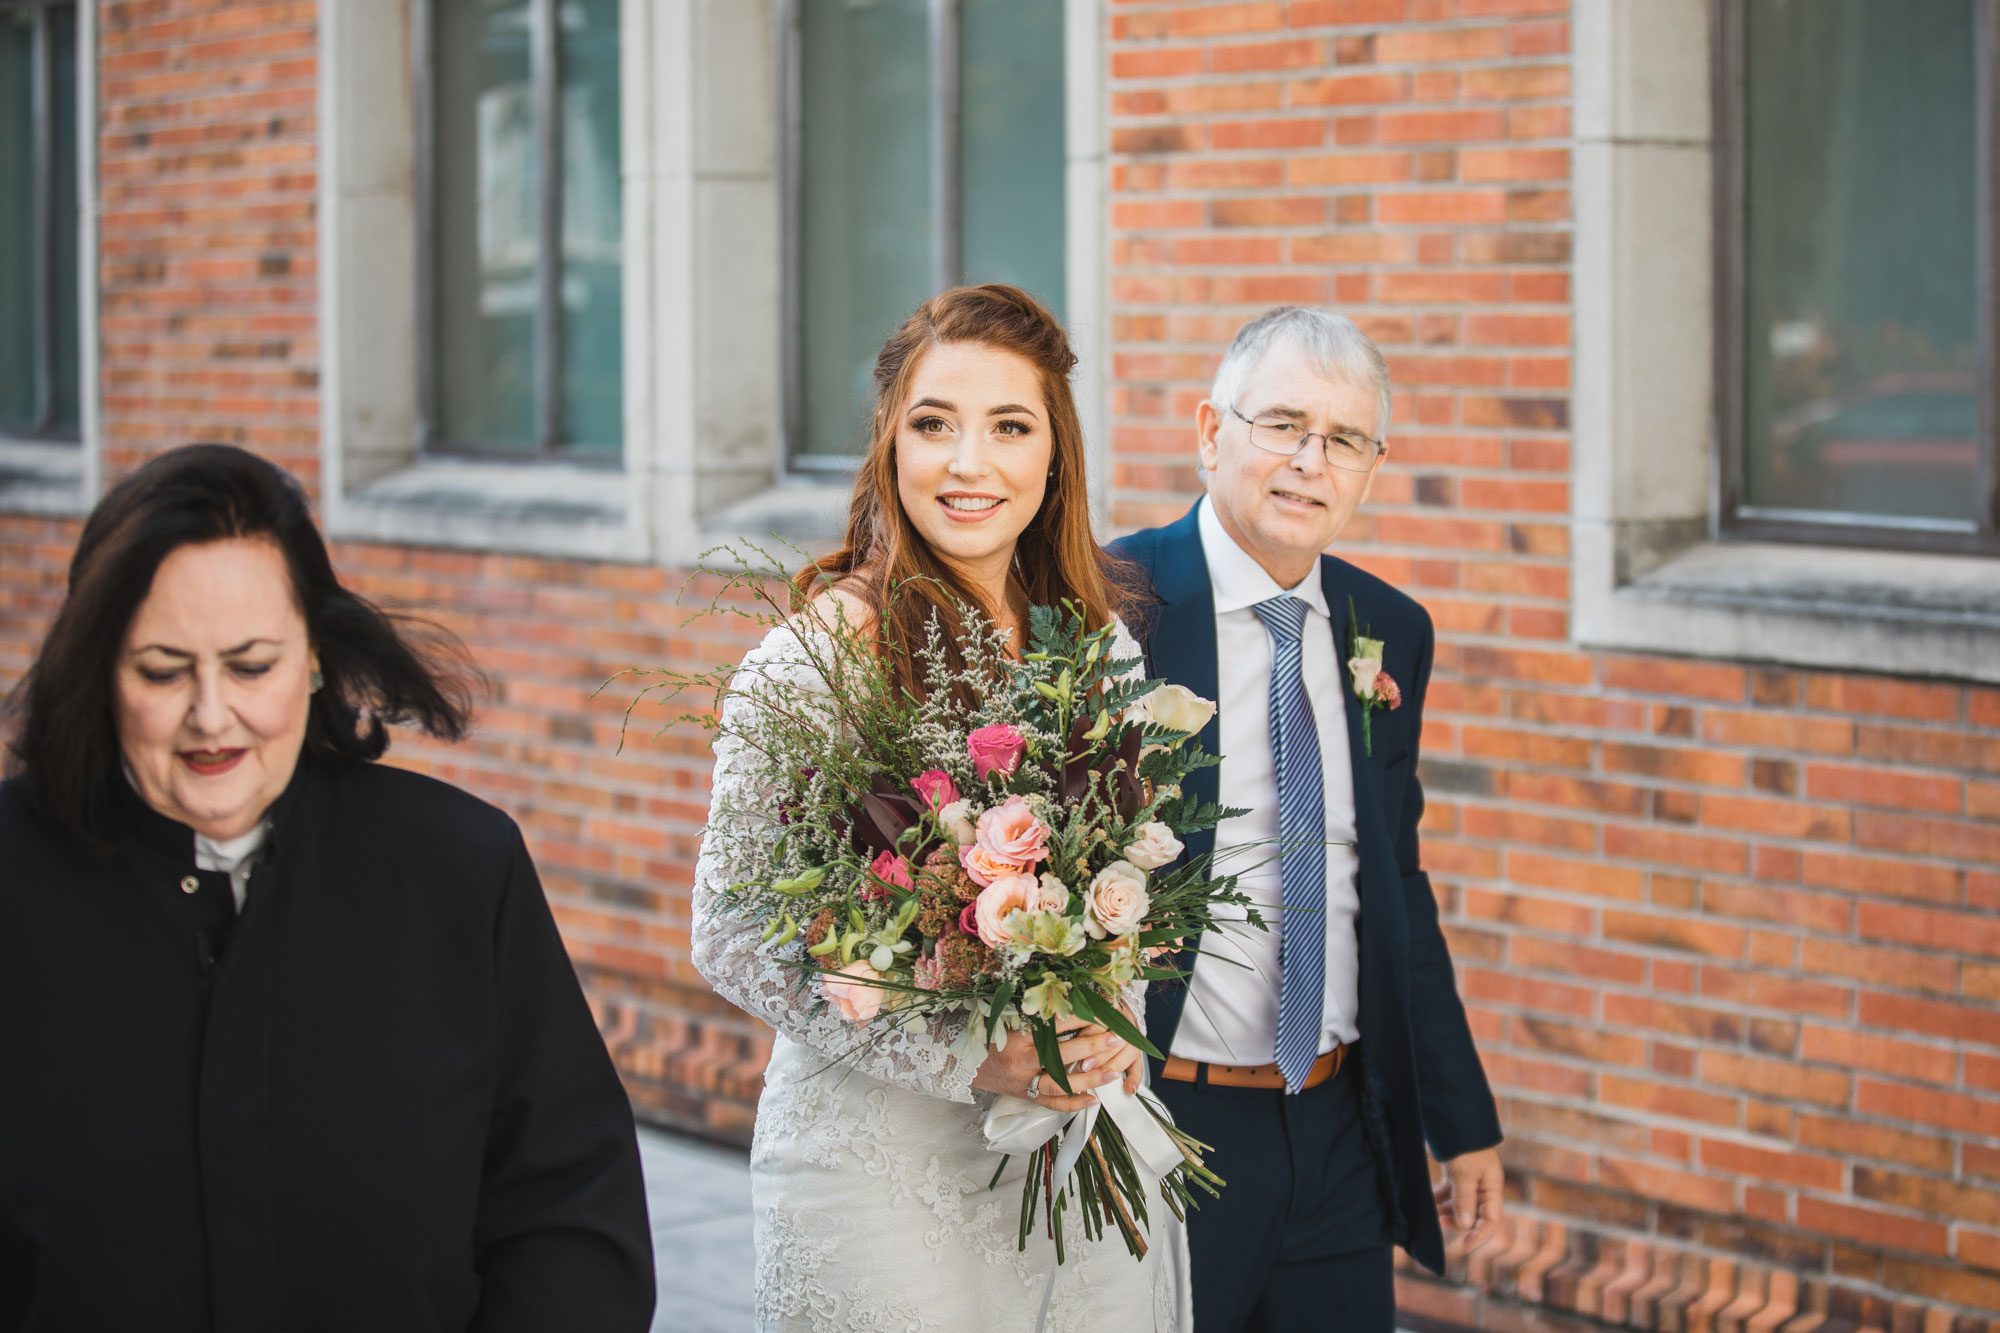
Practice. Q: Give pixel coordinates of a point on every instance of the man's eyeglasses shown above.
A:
(1281, 435)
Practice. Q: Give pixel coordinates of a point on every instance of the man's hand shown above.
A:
(1470, 1193)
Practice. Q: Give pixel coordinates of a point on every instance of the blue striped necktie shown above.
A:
(1301, 845)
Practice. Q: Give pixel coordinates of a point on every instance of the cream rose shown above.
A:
(1117, 901)
(958, 822)
(1175, 707)
(851, 994)
(1156, 846)
(1051, 895)
(1364, 670)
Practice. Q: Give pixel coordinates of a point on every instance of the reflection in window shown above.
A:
(525, 230)
(927, 149)
(39, 332)
(1861, 206)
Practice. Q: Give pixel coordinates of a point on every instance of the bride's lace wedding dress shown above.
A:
(869, 1175)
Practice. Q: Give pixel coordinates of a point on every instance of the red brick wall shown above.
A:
(1728, 934)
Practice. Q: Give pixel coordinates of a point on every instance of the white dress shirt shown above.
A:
(233, 857)
(1231, 1015)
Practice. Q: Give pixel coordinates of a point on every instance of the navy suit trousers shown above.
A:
(1299, 1239)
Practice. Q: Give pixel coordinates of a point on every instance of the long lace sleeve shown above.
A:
(763, 980)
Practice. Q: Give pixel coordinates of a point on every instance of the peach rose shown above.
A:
(984, 867)
(1117, 901)
(1011, 894)
(855, 1000)
(1157, 846)
(1010, 832)
(1051, 895)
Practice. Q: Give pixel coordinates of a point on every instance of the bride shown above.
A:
(869, 1176)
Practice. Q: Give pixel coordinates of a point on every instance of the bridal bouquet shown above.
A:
(997, 852)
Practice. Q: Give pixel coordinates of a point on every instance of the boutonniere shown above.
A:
(1373, 686)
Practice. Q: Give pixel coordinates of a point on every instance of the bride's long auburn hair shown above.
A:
(1055, 558)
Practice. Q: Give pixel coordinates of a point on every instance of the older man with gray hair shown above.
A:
(1321, 1056)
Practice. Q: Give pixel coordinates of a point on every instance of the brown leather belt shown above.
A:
(1252, 1076)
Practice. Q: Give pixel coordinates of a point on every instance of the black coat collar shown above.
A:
(136, 823)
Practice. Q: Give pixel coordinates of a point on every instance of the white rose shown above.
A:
(1117, 902)
(1051, 896)
(959, 823)
(1157, 846)
(1175, 707)
(1364, 670)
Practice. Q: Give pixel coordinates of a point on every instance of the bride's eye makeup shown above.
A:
(931, 426)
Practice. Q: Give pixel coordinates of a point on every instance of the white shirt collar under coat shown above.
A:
(1235, 578)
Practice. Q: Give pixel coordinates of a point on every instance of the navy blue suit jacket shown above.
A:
(1426, 1077)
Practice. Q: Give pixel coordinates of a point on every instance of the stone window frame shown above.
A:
(61, 478)
(703, 461)
(1651, 569)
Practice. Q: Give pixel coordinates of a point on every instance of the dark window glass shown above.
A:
(876, 229)
(1861, 254)
(40, 336)
(527, 345)
(865, 202)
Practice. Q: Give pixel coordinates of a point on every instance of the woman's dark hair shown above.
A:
(378, 669)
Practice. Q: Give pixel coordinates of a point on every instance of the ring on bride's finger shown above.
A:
(1035, 1086)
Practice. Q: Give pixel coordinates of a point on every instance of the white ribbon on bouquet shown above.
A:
(1017, 1126)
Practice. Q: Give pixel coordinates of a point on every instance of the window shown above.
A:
(40, 339)
(924, 145)
(520, 211)
(1858, 400)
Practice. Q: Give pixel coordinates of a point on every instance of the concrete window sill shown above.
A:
(1892, 612)
(532, 509)
(43, 478)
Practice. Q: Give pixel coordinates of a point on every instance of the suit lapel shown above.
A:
(1182, 644)
(1378, 881)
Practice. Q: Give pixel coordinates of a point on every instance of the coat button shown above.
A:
(189, 884)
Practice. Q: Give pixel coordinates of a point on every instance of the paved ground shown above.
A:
(699, 1195)
(700, 1200)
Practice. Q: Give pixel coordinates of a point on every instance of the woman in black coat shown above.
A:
(288, 1039)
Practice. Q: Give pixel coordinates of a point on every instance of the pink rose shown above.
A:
(1117, 901)
(855, 999)
(996, 749)
(968, 920)
(888, 868)
(1156, 846)
(935, 787)
(1388, 691)
(984, 867)
(996, 900)
(1010, 832)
